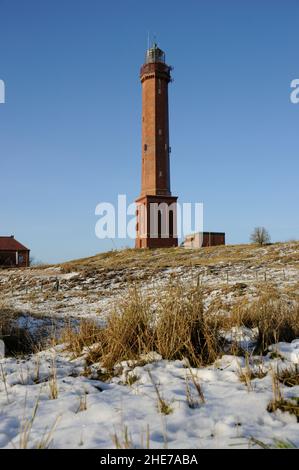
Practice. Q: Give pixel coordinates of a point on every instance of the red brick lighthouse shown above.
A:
(156, 207)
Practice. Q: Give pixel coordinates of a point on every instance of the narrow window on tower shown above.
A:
(159, 86)
(145, 147)
(160, 131)
(159, 224)
(171, 224)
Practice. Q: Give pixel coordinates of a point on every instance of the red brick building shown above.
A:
(202, 239)
(13, 253)
(156, 207)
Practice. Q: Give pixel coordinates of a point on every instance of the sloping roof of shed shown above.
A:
(11, 244)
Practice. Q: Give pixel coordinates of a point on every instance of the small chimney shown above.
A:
(12, 236)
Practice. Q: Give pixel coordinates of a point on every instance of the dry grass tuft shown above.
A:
(182, 330)
(82, 403)
(53, 383)
(175, 325)
(249, 373)
(191, 401)
(124, 441)
(128, 332)
(289, 376)
(163, 406)
(277, 444)
(276, 320)
(85, 336)
(290, 405)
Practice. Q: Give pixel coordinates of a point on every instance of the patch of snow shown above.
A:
(289, 351)
(229, 417)
(245, 338)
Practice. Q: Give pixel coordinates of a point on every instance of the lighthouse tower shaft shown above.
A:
(155, 77)
(156, 207)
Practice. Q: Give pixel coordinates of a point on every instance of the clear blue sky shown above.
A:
(70, 128)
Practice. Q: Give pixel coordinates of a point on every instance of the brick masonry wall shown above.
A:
(155, 130)
(144, 229)
(11, 258)
(24, 259)
(213, 239)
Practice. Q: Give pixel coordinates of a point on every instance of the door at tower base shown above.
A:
(156, 222)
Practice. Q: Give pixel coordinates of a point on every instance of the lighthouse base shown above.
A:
(156, 222)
